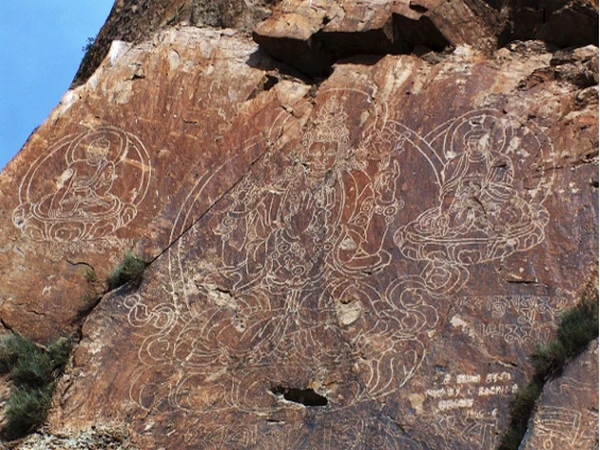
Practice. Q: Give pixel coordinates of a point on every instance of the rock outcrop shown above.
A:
(567, 415)
(358, 225)
(136, 20)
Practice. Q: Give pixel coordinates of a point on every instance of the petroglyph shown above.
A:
(557, 427)
(462, 390)
(517, 320)
(292, 278)
(534, 318)
(567, 416)
(105, 176)
(489, 205)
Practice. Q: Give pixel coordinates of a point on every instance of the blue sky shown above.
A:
(40, 52)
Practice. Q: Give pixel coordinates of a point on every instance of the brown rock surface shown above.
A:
(312, 35)
(136, 20)
(101, 437)
(562, 23)
(567, 414)
(100, 176)
(362, 263)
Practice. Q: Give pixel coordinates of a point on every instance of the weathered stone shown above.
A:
(5, 388)
(343, 254)
(562, 23)
(578, 66)
(567, 413)
(311, 35)
(135, 21)
(100, 177)
(99, 437)
(365, 262)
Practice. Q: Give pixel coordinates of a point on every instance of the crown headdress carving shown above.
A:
(330, 125)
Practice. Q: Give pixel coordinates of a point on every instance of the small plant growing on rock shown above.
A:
(90, 276)
(89, 42)
(578, 327)
(95, 288)
(33, 370)
(26, 409)
(131, 268)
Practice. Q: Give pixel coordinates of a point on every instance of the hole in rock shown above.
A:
(270, 82)
(306, 397)
(418, 8)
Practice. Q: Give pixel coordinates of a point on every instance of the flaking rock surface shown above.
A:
(362, 263)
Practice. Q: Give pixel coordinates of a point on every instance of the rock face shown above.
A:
(137, 20)
(567, 416)
(311, 36)
(361, 261)
(562, 23)
(99, 437)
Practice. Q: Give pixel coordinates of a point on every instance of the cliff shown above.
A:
(359, 219)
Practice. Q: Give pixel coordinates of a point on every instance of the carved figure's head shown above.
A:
(97, 151)
(324, 144)
(477, 140)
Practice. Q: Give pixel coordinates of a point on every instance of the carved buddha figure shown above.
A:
(481, 215)
(84, 187)
(81, 205)
(478, 183)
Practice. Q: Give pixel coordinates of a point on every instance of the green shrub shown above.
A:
(522, 408)
(89, 42)
(578, 326)
(26, 410)
(90, 275)
(131, 268)
(11, 348)
(59, 351)
(33, 371)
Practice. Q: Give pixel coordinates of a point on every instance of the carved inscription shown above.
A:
(463, 390)
(568, 416)
(521, 319)
(557, 427)
(462, 408)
